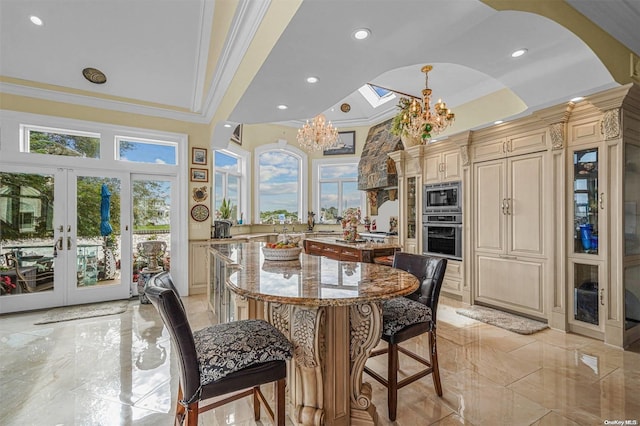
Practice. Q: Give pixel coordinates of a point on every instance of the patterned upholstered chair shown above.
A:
(408, 317)
(221, 359)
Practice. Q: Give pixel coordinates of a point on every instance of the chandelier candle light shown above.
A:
(318, 135)
(420, 121)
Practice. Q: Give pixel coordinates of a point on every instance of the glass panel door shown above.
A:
(152, 240)
(94, 238)
(585, 201)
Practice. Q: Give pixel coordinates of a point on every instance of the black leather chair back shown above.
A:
(164, 280)
(170, 308)
(429, 271)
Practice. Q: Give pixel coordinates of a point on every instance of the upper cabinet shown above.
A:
(443, 166)
(521, 143)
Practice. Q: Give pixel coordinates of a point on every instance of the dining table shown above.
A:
(331, 311)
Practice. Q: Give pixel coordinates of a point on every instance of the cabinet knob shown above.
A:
(601, 200)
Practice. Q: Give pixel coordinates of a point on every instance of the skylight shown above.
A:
(375, 95)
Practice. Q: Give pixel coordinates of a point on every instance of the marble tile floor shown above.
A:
(120, 370)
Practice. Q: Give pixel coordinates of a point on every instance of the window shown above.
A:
(337, 184)
(146, 151)
(41, 140)
(280, 176)
(228, 182)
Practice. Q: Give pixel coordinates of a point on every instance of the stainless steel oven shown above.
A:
(442, 198)
(442, 235)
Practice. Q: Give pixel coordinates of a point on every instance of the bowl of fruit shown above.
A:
(281, 251)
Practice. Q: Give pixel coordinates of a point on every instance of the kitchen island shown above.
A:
(337, 249)
(331, 312)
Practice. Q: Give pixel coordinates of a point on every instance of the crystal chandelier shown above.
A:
(419, 121)
(318, 135)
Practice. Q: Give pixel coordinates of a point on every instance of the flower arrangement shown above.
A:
(6, 286)
(350, 222)
(401, 118)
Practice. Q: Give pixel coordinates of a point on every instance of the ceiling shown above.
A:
(236, 60)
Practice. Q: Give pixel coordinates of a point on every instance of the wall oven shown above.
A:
(442, 198)
(442, 235)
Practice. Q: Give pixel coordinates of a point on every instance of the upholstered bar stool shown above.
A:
(224, 361)
(408, 317)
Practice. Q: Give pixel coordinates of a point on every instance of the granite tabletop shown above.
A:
(367, 245)
(310, 280)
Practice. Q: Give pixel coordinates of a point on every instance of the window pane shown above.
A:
(218, 190)
(64, 144)
(279, 187)
(233, 194)
(339, 171)
(328, 202)
(146, 152)
(351, 197)
(224, 161)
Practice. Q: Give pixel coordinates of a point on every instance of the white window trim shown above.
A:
(303, 179)
(244, 158)
(316, 164)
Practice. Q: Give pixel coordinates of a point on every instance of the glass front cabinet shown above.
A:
(603, 212)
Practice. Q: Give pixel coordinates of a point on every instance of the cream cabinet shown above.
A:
(442, 167)
(508, 146)
(509, 228)
(198, 267)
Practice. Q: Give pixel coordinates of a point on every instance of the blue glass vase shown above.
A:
(586, 232)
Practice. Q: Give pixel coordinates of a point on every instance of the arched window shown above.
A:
(281, 184)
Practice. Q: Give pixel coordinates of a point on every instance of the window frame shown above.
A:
(120, 138)
(244, 159)
(316, 181)
(303, 179)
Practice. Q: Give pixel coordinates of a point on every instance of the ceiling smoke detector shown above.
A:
(94, 75)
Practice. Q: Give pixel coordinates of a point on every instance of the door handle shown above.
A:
(602, 296)
(68, 243)
(504, 200)
(601, 200)
(508, 205)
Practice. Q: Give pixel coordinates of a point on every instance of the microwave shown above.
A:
(442, 198)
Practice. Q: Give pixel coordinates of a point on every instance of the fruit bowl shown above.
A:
(289, 253)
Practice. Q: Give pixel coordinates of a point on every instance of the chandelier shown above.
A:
(419, 121)
(317, 135)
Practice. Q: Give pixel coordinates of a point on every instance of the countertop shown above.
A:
(310, 280)
(337, 241)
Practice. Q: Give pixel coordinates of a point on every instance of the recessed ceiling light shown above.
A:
(282, 106)
(518, 53)
(35, 20)
(498, 122)
(577, 99)
(361, 34)
(227, 125)
(312, 79)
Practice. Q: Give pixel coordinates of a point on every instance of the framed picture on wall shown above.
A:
(199, 175)
(199, 156)
(346, 144)
(237, 135)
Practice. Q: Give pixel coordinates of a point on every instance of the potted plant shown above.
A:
(225, 209)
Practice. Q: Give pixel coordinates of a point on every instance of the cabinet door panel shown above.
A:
(489, 193)
(526, 205)
(528, 142)
(489, 151)
(452, 170)
(432, 168)
(513, 284)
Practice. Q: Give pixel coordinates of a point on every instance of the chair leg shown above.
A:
(433, 355)
(280, 402)
(392, 389)
(192, 415)
(256, 403)
(180, 411)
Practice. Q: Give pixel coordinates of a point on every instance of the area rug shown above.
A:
(511, 322)
(83, 311)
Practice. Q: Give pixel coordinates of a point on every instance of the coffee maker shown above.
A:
(222, 228)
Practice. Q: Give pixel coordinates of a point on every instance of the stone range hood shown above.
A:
(376, 171)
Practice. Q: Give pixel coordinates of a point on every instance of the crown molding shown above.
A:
(92, 102)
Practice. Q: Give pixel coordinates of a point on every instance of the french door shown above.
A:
(62, 236)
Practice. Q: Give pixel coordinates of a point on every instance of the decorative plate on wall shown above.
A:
(200, 212)
(200, 194)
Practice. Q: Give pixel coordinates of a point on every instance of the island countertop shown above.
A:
(310, 280)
